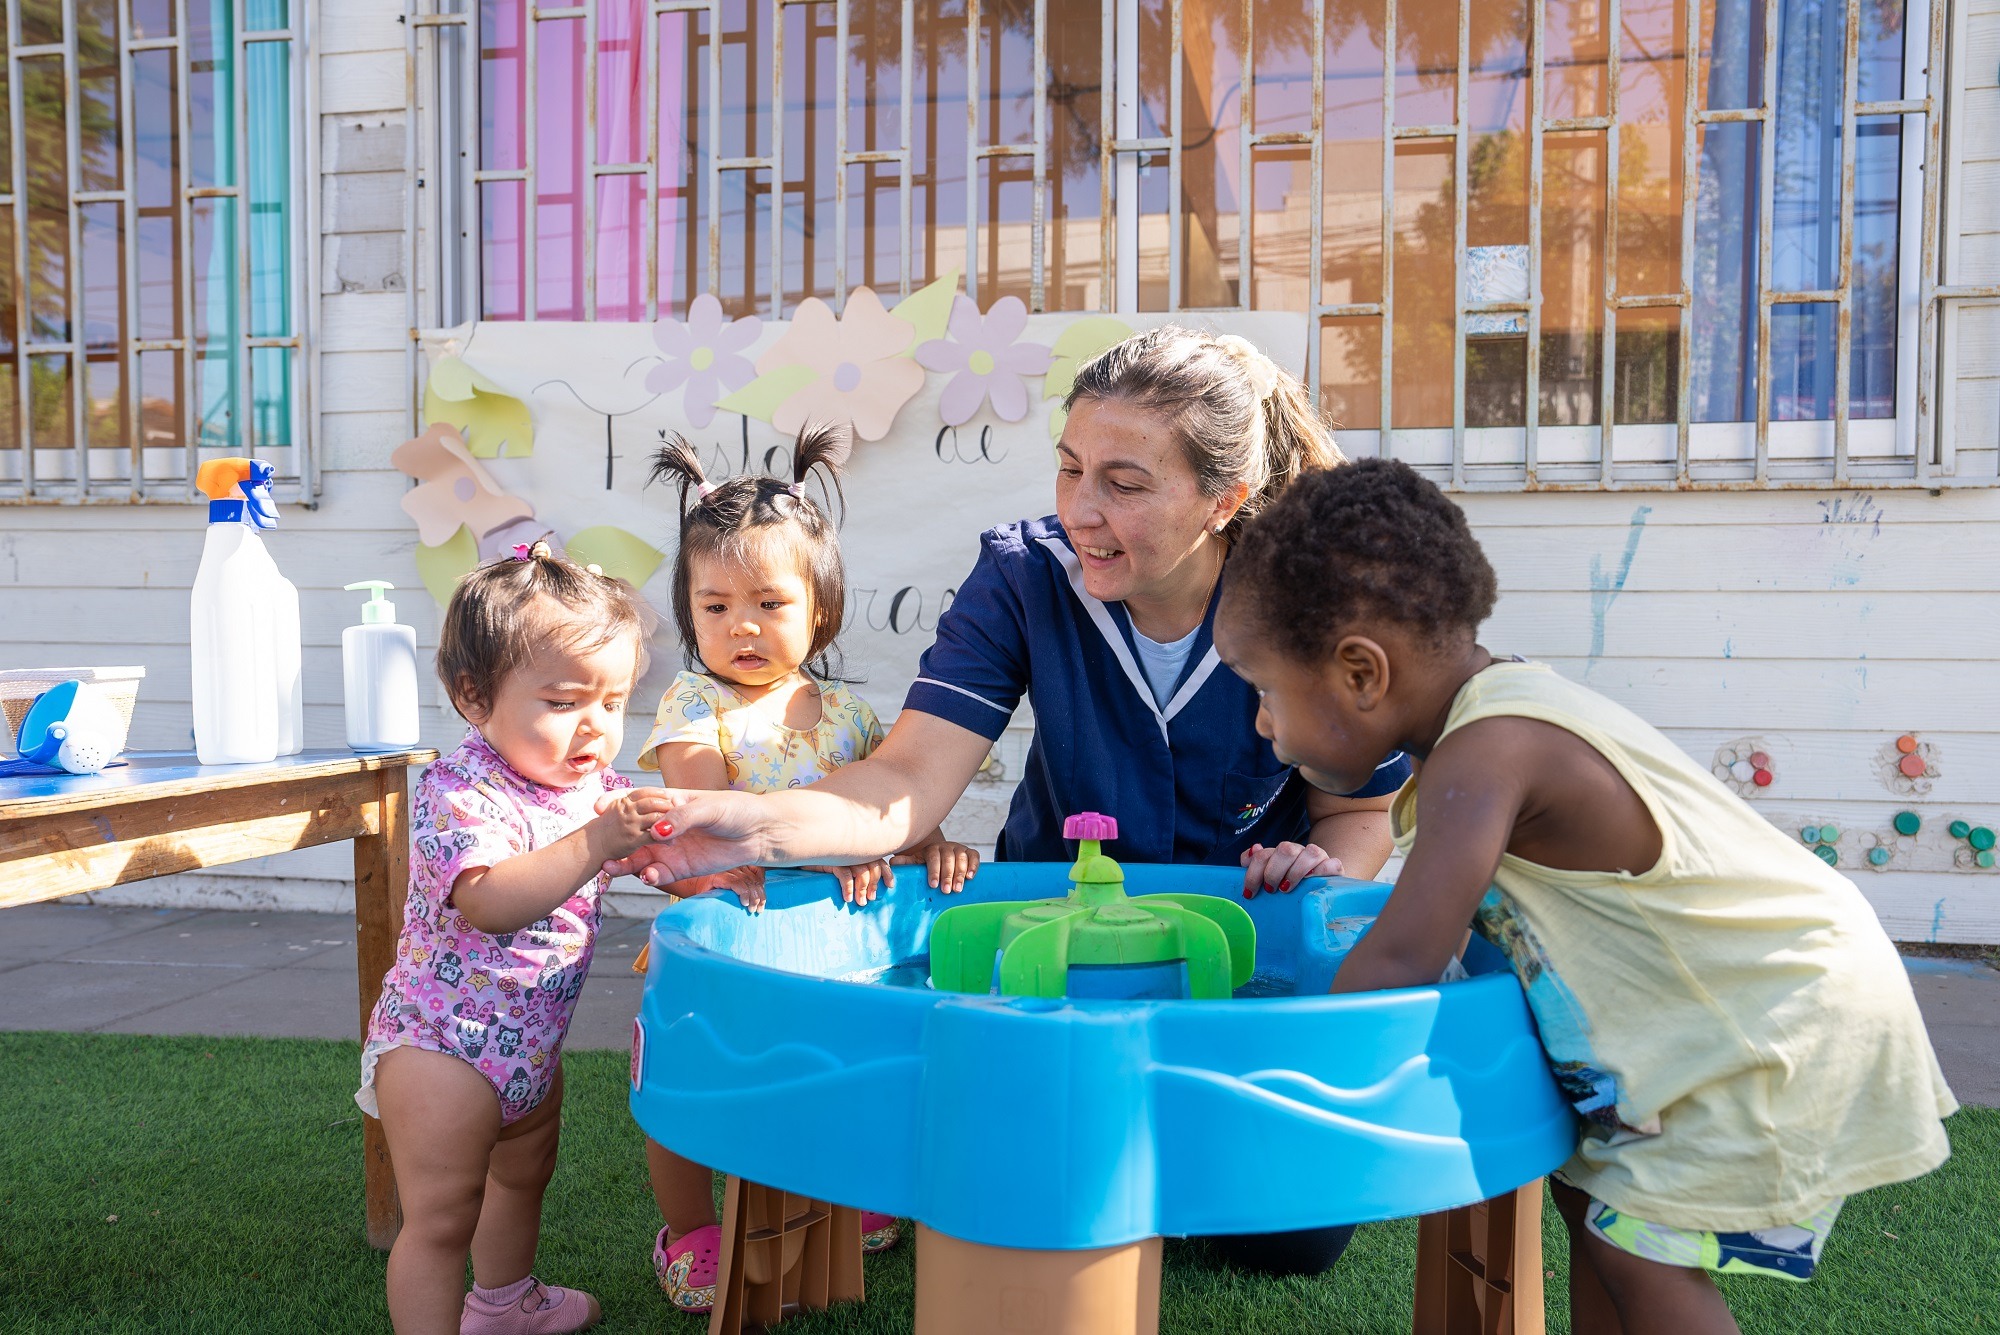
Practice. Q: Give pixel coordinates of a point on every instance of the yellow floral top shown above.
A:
(763, 755)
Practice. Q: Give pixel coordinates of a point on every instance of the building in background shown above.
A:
(1695, 303)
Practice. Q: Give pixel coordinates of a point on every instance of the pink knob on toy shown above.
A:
(1090, 825)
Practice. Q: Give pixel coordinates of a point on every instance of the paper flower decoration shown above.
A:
(1074, 349)
(706, 355)
(453, 488)
(488, 419)
(984, 361)
(853, 368)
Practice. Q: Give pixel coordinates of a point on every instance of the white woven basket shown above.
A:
(116, 686)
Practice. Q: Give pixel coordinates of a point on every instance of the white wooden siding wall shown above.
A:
(1822, 625)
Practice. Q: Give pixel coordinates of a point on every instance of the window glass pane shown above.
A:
(1350, 372)
(1878, 168)
(160, 400)
(1075, 274)
(1211, 159)
(1572, 277)
(744, 214)
(1881, 56)
(1351, 161)
(269, 134)
(1497, 168)
(211, 95)
(45, 119)
(502, 268)
(809, 111)
(681, 243)
(1805, 211)
(937, 142)
(748, 46)
(1802, 361)
(41, 22)
(559, 170)
(49, 405)
(10, 426)
(1725, 275)
(621, 81)
(1426, 61)
(152, 18)
(621, 247)
(1156, 58)
(271, 397)
(1280, 227)
(1646, 381)
(97, 94)
(1732, 48)
(1651, 126)
(217, 321)
(503, 79)
(1425, 286)
(1573, 58)
(1496, 380)
(1154, 221)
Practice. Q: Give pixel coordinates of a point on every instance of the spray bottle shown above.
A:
(232, 626)
(378, 662)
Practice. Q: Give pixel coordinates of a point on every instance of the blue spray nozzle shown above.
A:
(239, 490)
(259, 510)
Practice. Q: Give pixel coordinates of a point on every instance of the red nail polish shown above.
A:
(1249, 894)
(662, 830)
(1284, 885)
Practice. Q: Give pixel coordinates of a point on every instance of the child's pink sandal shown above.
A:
(539, 1309)
(687, 1269)
(879, 1232)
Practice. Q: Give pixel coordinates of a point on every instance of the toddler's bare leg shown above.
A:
(441, 1119)
(1612, 1292)
(684, 1190)
(510, 1223)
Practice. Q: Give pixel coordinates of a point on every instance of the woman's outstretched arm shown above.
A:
(865, 810)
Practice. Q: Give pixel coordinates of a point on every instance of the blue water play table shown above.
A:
(803, 1048)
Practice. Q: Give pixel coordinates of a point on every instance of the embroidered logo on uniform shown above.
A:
(1252, 813)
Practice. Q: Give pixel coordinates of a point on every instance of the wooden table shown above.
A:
(64, 834)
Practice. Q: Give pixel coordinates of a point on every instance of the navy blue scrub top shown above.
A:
(1190, 781)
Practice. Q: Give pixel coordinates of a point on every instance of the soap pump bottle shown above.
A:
(232, 624)
(378, 661)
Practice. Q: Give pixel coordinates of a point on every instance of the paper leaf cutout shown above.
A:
(453, 488)
(493, 422)
(929, 308)
(1074, 348)
(762, 397)
(444, 565)
(616, 552)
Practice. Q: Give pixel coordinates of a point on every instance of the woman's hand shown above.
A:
(949, 866)
(704, 831)
(858, 884)
(625, 821)
(1284, 866)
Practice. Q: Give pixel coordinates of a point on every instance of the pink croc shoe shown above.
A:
(879, 1232)
(687, 1269)
(541, 1309)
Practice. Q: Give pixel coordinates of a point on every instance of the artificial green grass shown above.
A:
(202, 1185)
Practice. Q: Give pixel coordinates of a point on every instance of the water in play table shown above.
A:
(916, 974)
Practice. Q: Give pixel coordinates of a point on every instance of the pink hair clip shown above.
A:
(702, 490)
(521, 551)
(797, 489)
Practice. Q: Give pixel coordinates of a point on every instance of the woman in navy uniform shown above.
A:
(1100, 616)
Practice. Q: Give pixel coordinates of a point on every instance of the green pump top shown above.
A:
(1096, 924)
(377, 611)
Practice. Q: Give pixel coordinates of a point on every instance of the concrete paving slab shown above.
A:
(34, 932)
(266, 1003)
(1962, 1011)
(58, 995)
(251, 940)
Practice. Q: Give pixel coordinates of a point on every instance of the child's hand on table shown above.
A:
(859, 884)
(949, 866)
(1282, 867)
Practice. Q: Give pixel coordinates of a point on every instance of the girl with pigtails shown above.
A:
(759, 597)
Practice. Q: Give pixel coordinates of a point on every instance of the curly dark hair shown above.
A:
(1372, 541)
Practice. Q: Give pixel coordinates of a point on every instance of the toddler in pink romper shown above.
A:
(499, 1003)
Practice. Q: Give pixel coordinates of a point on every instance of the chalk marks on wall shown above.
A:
(1605, 586)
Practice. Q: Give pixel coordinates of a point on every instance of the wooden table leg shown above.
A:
(1479, 1268)
(381, 884)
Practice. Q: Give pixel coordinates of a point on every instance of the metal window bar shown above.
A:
(87, 482)
(1122, 151)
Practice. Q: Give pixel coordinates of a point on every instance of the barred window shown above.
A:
(151, 309)
(1572, 243)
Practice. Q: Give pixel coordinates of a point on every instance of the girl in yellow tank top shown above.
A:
(1723, 1009)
